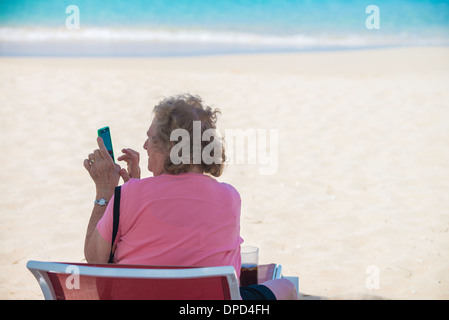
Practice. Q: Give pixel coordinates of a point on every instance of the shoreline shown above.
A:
(155, 50)
(366, 62)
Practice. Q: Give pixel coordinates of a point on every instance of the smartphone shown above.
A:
(105, 134)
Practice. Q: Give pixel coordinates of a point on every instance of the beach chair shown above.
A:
(74, 281)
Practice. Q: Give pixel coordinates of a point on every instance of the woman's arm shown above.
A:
(97, 249)
(106, 174)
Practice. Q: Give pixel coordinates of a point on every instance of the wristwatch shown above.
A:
(101, 202)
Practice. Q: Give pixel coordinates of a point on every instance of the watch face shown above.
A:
(101, 202)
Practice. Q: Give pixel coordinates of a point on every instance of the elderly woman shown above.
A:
(180, 216)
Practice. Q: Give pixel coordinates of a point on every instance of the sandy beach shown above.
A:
(357, 206)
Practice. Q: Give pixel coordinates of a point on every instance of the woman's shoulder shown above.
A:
(169, 182)
(228, 188)
(134, 183)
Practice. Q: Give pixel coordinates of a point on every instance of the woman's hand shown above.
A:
(132, 158)
(102, 169)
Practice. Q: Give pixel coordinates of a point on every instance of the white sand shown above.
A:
(363, 170)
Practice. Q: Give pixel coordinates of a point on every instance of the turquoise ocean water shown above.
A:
(194, 27)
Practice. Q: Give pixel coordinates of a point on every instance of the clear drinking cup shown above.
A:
(250, 262)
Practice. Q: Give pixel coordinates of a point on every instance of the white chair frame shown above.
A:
(39, 269)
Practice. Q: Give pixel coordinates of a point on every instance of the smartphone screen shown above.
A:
(105, 134)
